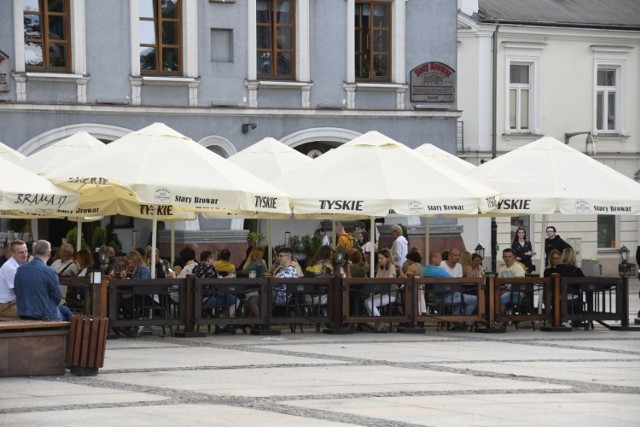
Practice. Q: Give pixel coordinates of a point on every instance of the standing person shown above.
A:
(19, 255)
(37, 287)
(523, 249)
(452, 263)
(64, 264)
(322, 235)
(553, 241)
(344, 239)
(400, 246)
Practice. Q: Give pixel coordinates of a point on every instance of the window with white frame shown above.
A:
(519, 96)
(609, 68)
(522, 87)
(607, 95)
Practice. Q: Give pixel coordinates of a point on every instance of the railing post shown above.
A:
(266, 302)
(187, 302)
(492, 301)
(557, 301)
(410, 307)
(336, 307)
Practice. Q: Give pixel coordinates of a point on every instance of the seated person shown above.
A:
(386, 269)
(223, 266)
(554, 260)
(255, 261)
(206, 270)
(511, 268)
(455, 299)
(37, 287)
(64, 265)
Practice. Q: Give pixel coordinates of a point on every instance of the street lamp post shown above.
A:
(590, 146)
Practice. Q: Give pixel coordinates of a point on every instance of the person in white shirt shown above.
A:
(400, 246)
(452, 263)
(19, 255)
(64, 264)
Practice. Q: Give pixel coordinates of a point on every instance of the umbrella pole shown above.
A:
(427, 236)
(154, 231)
(173, 242)
(79, 235)
(372, 239)
(270, 244)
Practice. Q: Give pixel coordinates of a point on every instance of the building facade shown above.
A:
(548, 68)
(313, 74)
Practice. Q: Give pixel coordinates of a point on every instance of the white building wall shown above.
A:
(566, 104)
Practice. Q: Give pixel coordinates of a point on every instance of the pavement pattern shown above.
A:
(518, 378)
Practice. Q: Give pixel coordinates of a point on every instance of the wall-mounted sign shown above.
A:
(433, 82)
(4, 72)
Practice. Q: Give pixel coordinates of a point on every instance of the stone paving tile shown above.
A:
(166, 415)
(523, 378)
(319, 380)
(51, 392)
(490, 409)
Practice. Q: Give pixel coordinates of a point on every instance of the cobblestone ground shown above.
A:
(520, 378)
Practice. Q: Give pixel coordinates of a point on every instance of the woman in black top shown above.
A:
(523, 249)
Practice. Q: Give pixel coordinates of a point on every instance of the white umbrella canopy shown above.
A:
(54, 155)
(25, 193)
(444, 158)
(269, 158)
(98, 203)
(547, 176)
(375, 176)
(9, 154)
(159, 166)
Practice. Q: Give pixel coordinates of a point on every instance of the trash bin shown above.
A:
(87, 344)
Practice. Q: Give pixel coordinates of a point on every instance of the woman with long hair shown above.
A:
(523, 249)
(386, 269)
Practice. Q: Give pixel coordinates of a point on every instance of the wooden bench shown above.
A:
(32, 347)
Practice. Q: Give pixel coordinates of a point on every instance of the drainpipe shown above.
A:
(494, 141)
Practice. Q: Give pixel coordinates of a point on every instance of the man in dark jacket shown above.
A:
(553, 241)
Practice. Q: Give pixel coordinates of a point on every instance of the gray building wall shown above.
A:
(430, 36)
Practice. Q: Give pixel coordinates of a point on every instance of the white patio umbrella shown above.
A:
(161, 167)
(9, 154)
(24, 193)
(75, 147)
(445, 158)
(268, 159)
(547, 176)
(374, 176)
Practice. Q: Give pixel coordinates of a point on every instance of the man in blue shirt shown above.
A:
(433, 269)
(37, 287)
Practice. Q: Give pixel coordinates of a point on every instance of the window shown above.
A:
(606, 231)
(607, 98)
(160, 32)
(519, 97)
(47, 42)
(275, 39)
(373, 41)
(522, 87)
